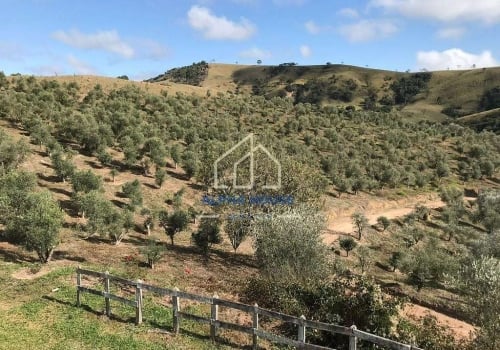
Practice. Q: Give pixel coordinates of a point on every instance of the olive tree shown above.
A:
(396, 260)
(479, 281)
(207, 235)
(428, 265)
(289, 246)
(15, 187)
(488, 212)
(12, 153)
(237, 228)
(155, 151)
(160, 176)
(153, 251)
(92, 204)
(86, 181)
(149, 219)
(360, 222)
(104, 219)
(132, 190)
(39, 224)
(384, 222)
(63, 166)
(365, 258)
(172, 224)
(347, 244)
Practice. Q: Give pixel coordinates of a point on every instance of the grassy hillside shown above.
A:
(487, 120)
(335, 161)
(457, 90)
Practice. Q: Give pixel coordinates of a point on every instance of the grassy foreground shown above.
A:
(32, 316)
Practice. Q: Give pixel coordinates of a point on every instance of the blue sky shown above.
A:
(144, 38)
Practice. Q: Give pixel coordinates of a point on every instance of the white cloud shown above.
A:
(103, 40)
(454, 59)
(366, 30)
(150, 49)
(444, 10)
(312, 27)
(451, 33)
(255, 53)
(218, 28)
(80, 67)
(348, 12)
(305, 51)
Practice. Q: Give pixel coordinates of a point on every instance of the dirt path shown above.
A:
(342, 224)
(461, 329)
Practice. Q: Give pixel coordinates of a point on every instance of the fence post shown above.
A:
(302, 330)
(352, 339)
(176, 307)
(106, 290)
(255, 326)
(214, 316)
(78, 285)
(138, 302)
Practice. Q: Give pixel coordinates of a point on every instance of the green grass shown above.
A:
(34, 317)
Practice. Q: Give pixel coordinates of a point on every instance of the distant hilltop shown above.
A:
(436, 95)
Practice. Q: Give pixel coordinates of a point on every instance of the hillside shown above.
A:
(487, 120)
(387, 206)
(458, 92)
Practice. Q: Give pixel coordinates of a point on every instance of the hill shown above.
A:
(131, 165)
(446, 93)
(487, 120)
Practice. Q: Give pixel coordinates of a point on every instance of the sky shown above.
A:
(144, 38)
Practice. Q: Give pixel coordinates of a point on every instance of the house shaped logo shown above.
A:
(248, 159)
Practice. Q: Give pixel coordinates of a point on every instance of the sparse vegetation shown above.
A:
(152, 252)
(126, 134)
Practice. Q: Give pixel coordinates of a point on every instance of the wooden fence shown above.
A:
(302, 323)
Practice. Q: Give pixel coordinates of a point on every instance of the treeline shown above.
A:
(490, 99)
(316, 91)
(193, 74)
(407, 87)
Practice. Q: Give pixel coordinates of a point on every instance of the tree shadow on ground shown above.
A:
(215, 255)
(177, 176)
(64, 255)
(89, 309)
(12, 256)
(196, 187)
(93, 165)
(48, 178)
(118, 203)
(61, 191)
(69, 207)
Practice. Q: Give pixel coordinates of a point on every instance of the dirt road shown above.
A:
(340, 222)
